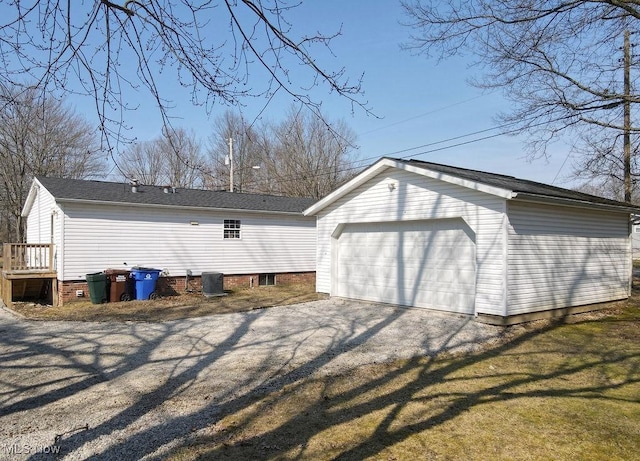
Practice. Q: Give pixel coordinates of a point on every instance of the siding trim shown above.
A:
(505, 258)
(28, 204)
(62, 253)
(630, 261)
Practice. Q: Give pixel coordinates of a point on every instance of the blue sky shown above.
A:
(419, 101)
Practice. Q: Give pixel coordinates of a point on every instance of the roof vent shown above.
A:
(167, 189)
(134, 185)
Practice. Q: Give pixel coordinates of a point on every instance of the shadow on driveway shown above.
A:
(130, 390)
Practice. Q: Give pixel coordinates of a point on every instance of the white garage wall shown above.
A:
(416, 197)
(561, 257)
(103, 236)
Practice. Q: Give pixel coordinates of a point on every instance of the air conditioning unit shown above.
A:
(212, 284)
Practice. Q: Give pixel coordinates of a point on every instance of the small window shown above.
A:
(266, 279)
(232, 228)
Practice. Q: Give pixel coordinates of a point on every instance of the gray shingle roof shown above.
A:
(101, 191)
(513, 184)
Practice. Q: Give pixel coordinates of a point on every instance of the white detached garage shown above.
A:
(427, 235)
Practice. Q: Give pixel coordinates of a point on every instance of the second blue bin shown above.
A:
(145, 282)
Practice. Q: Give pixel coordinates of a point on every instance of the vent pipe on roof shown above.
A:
(166, 189)
(134, 185)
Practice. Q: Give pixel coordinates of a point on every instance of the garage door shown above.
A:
(416, 263)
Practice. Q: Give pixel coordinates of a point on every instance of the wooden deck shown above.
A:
(28, 271)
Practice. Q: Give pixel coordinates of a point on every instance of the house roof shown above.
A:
(77, 190)
(508, 187)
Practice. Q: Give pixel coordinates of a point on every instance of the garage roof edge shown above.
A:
(385, 163)
(360, 179)
(507, 187)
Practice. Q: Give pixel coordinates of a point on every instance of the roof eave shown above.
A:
(181, 207)
(548, 199)
(347, 187)
(31, 197)
(385, 163)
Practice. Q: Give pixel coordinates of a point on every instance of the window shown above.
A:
(267, 279)
(232, 228)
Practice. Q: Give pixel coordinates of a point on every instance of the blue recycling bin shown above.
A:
(145, 282)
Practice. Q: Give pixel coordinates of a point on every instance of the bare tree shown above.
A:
(233, 132)
(563, 64)
(600, 162)
(214, 48)
(173, 159)
(305, 159)
(299, 156)
(40, 137)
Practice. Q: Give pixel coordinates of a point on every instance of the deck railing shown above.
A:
(27, 257)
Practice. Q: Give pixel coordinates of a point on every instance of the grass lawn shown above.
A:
(556, 390)
(173, 307)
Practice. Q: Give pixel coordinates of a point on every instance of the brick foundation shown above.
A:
(67, 291)
(168, 286)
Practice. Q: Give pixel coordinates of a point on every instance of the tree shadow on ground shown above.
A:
(87, 364)
(323, 419)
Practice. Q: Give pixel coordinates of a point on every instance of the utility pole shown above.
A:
(230, 164)
(627, 118)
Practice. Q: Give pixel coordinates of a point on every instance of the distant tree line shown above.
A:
(299, 156)
(39, 137)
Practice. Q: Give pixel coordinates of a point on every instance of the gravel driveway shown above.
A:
(134, 390)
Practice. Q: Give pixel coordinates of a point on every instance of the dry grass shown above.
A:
(554, 390)
(173, 307)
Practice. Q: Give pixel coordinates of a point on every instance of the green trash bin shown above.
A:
(97, 287)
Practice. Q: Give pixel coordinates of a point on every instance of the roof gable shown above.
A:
(507, 187)
(77, 190)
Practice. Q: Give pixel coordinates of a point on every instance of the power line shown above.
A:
(561, 167)
(434, 111)
(361, 162)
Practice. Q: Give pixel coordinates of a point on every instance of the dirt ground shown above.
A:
(173, 307)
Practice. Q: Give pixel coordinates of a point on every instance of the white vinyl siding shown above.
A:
(415, 197)
(101, 236)
(39, 218)
(43, 214)
(561, 257)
